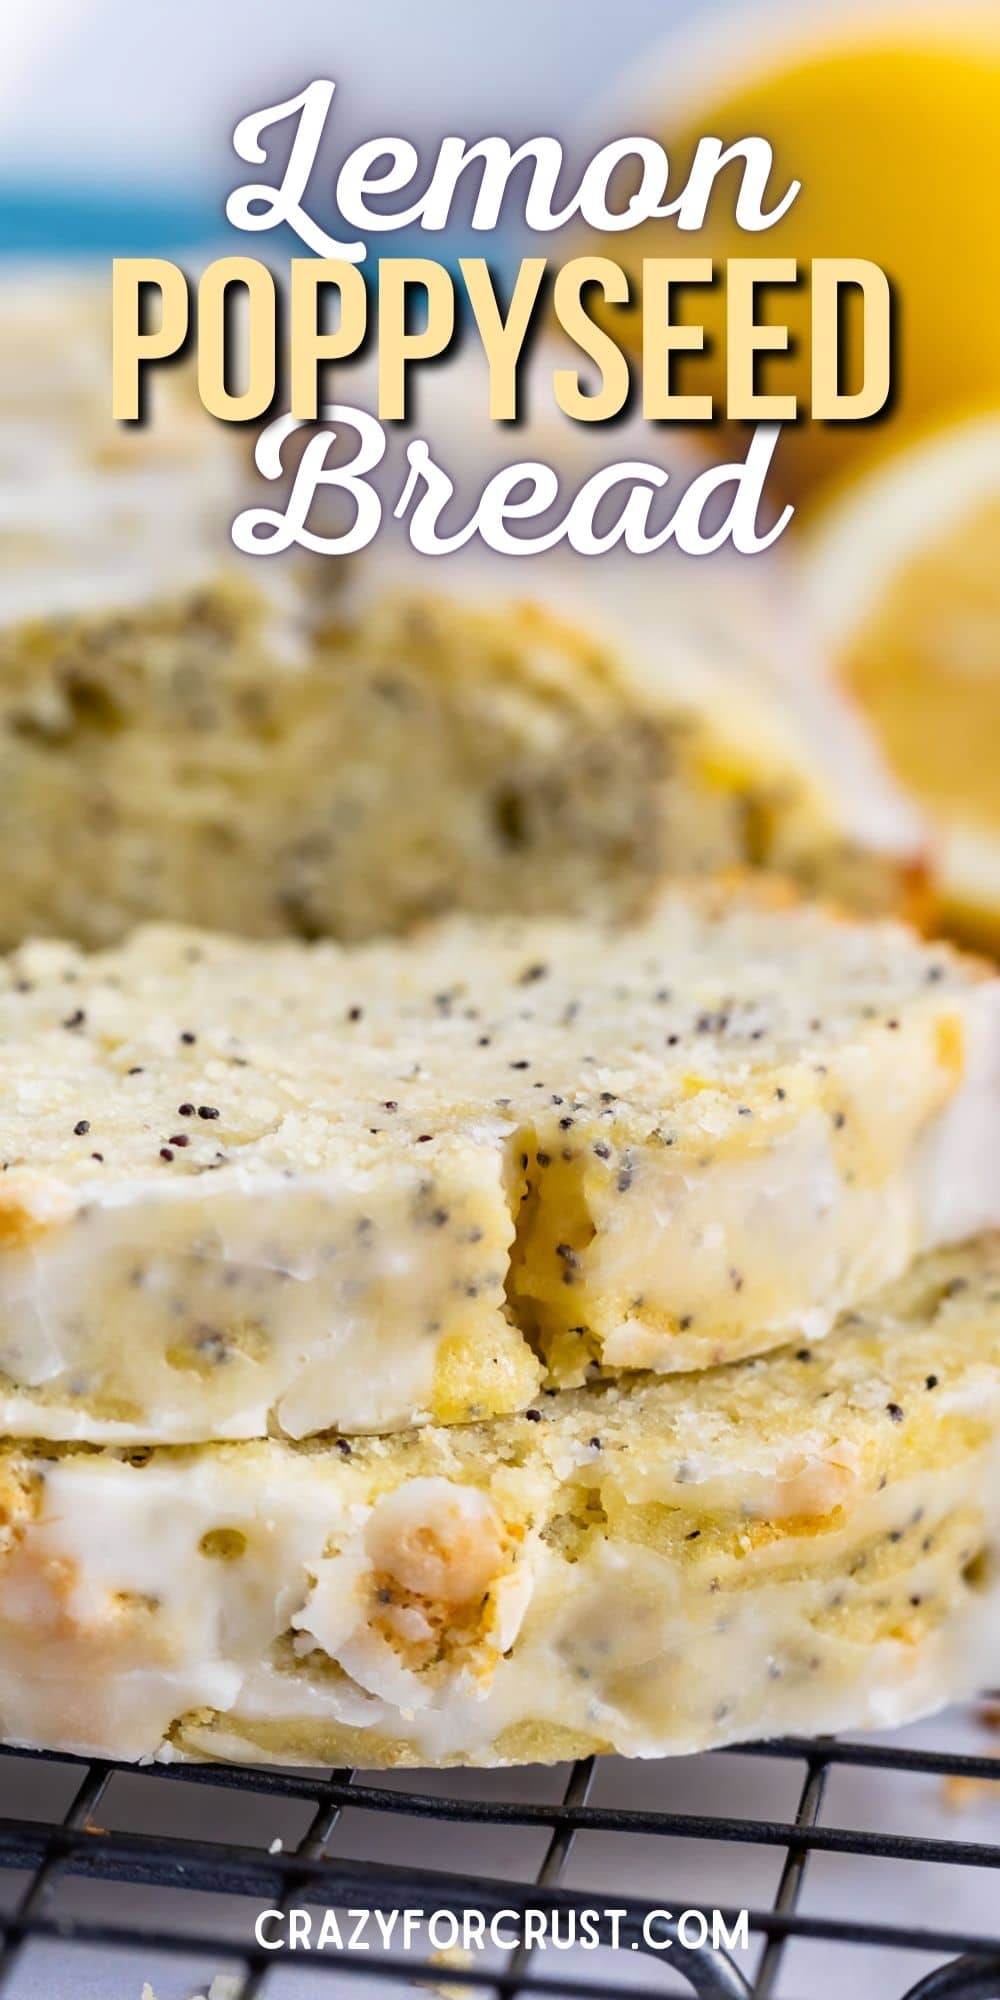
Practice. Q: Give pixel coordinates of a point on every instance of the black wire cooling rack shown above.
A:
(105, 1857)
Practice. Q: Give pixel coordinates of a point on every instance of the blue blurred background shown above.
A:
(115, 118)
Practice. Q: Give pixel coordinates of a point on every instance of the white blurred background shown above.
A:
(107, 90)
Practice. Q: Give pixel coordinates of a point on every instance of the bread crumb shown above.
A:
(961, 1794)
(225, 1986)
(456, 1957)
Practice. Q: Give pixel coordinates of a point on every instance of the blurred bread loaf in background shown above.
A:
(348, 747)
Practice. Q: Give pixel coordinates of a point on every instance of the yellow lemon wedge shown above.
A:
(902, 583)
(887, 112)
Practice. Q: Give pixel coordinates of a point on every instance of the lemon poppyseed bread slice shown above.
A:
(249, 1187)
(228, 756)
(802, 1542)
(347, 747)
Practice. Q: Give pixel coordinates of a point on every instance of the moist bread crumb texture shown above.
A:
(304, 767)
(805, 1540)
(287, 1187)
(363, 1304)
(348, 747)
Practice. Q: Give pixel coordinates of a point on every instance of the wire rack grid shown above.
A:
(232, 1870)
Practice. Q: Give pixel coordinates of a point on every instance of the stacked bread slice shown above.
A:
(466, 1239)
(803, 1542)
(468, 1292)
